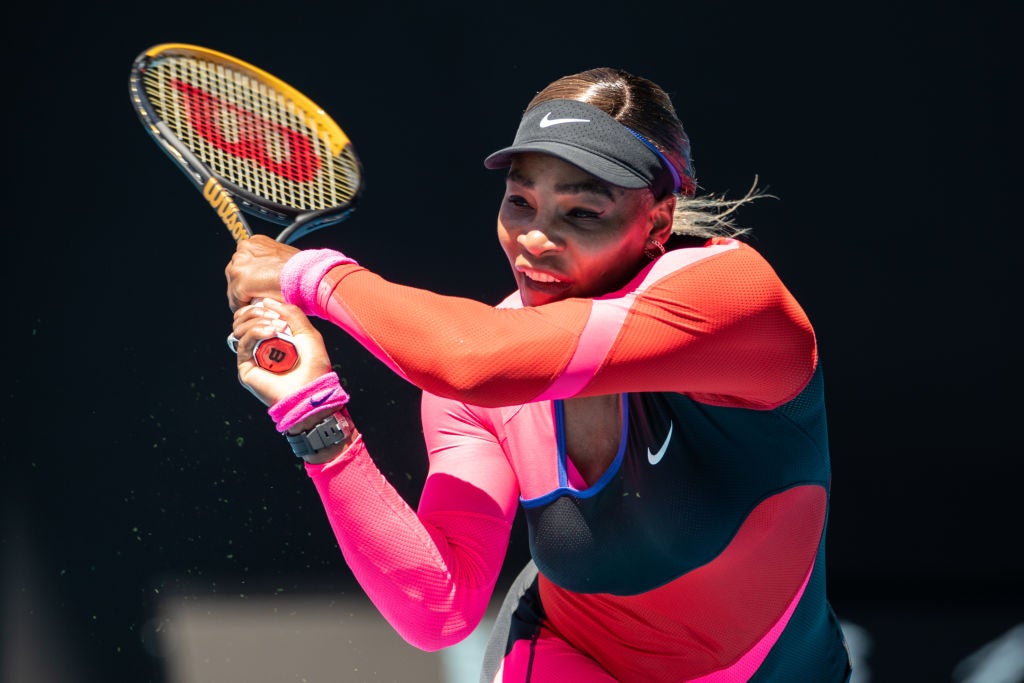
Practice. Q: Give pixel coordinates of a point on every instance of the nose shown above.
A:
(536, 241)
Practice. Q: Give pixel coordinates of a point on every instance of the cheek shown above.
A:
(613, 267)
(506, 240)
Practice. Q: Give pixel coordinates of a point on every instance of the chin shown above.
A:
(531, 297)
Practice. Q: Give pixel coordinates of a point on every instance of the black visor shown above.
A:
(592, 140)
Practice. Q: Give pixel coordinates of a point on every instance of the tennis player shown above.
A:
(650, 395)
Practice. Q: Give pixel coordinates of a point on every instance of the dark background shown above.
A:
(135, 466)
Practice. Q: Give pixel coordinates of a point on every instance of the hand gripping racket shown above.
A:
(250, 143)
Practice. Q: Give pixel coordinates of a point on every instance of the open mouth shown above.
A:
(539, 276)
(543, 283)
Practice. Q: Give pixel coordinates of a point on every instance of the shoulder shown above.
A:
(717, 261)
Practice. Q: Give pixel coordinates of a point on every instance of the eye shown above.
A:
(516, 200)
(583, 213)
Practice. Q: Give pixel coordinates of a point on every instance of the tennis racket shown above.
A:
(251, 144)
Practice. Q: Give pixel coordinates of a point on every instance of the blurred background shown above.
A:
(155, 528)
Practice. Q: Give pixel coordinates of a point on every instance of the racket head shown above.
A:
(278, 154)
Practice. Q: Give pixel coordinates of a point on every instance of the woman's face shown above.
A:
(568, 234)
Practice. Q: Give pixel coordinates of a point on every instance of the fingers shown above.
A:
(274, 314)
(254, 270)
(253, 323)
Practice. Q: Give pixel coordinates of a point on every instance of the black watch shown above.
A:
(335, 429)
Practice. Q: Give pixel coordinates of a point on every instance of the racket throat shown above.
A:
(226, 209)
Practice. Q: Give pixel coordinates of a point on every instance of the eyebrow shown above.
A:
(584, 186)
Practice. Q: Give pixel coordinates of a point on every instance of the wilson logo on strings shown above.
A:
(252, 136)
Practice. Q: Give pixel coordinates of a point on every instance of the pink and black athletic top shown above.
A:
(699, 555)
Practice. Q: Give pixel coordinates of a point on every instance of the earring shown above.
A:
(654, 249)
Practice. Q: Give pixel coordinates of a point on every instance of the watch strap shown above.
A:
(335, 429)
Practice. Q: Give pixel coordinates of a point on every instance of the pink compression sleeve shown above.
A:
(430, 573)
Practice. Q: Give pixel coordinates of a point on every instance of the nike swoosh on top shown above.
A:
(547, 121)
(655, 458)
(314, 401)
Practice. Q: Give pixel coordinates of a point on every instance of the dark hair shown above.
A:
(643, 106)
(635, 102)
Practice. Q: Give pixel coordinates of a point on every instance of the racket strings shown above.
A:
(252, 135)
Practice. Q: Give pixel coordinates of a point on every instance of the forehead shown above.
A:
(534, 169)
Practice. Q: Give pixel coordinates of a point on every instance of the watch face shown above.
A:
(344, 424)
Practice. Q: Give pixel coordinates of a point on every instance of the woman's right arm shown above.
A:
(713, 322)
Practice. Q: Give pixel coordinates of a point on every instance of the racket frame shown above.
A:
(228, 199)
(231, 202)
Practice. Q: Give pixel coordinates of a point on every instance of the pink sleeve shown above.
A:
(430, 572)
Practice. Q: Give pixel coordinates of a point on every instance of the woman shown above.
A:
(659, 414)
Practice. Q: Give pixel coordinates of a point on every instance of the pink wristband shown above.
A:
(302, 273)
(323, 392)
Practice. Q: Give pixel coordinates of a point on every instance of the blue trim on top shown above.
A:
(563, 472)
(671, 169)
(564, 489)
